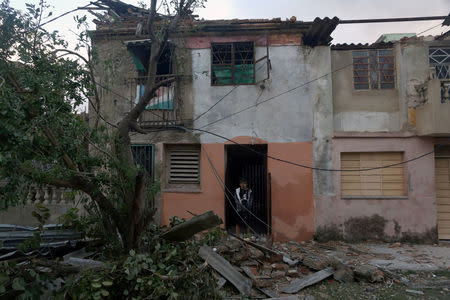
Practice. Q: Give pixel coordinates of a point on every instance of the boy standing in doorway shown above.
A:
(243, 198)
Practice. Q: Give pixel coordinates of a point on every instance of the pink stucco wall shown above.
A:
(416, 213)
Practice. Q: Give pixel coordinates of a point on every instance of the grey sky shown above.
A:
(305, 10)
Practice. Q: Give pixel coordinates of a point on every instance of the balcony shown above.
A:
(165, 108)
(432, 118)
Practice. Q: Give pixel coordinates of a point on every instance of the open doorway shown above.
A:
(241, 162)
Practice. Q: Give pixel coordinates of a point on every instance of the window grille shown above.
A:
(373, 69)
(143, 157)
(440, 59)
(232, 63)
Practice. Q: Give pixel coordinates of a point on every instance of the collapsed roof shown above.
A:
(122, 18)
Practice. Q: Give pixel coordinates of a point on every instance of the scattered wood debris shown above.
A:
(299, 283)
(224, 268)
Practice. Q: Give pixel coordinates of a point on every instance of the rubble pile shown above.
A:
(285, 269)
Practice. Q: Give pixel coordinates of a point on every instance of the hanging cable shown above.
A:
(310, 167)
(276, 96)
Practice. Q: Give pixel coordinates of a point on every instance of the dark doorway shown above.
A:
(241, 162)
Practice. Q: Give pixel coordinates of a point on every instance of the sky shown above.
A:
(304, 10)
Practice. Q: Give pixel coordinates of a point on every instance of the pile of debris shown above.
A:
(285, 269)
(258, 270)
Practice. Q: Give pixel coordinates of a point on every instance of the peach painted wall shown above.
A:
(292, 189)
(211, 196)
(416, 213)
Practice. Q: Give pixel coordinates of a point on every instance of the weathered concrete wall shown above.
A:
(287, 118)
(114, 67)
(323, 127)
(416, 213)
(361, 110)
(21, 214)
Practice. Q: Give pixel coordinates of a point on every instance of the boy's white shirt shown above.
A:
(238, 194)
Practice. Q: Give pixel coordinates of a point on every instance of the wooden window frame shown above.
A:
(385, 177)
(378, 71)
(232, 63)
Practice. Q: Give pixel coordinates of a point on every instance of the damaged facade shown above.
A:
(349, 107)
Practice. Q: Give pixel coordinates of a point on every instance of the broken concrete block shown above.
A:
(278, 274)
(279, 266)
(292, 273)
(262, 283)
(368, 273)
(255, 253)
(343, 275)
(315, 263)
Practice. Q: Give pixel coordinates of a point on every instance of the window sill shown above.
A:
(188, 190)
(374, 197)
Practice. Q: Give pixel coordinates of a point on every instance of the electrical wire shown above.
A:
(222, 185)
(206, 111)
(227, 191)
(429, 29)
(276, 96)
(310, 167)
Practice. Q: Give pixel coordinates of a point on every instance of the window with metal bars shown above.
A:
(143, 157)
(183, 164)
(232, 63)
(440, 59)
(373, 69)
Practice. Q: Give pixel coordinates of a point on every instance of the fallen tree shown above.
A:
(45, 141)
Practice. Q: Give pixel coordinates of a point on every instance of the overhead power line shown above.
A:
(311, 167)
(276, 96)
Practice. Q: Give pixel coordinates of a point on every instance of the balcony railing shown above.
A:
(164, 109)
(51, 195)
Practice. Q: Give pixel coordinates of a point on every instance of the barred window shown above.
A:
(143, 157)
(232, 63)
(373, 69)
(440, 59)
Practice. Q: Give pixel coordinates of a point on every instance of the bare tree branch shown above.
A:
(151, 20)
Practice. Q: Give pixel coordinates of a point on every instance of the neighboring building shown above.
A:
(348, 107)
(391, 106)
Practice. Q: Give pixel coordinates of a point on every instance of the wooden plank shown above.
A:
(443, 200)
(187, 229)
(393, 193)
(224, 268)
(443, 208)
(300, 283)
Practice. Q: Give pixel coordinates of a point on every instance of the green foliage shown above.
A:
(17, 282)
(175, 220)
(162, 271)
(214, 236)
(41, 214)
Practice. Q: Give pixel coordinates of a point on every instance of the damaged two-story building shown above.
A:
(272, 101)
(390, 108)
